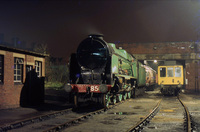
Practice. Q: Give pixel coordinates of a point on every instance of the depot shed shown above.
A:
(22, 75)
(186, 53)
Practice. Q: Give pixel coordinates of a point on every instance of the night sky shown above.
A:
(64, 24)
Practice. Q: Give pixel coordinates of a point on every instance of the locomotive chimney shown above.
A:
(100, 36)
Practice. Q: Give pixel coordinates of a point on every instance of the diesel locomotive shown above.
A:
(170, 79)
(103, 73)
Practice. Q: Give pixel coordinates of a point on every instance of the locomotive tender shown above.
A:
(103, 73)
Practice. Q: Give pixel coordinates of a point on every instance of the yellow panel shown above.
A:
(38, 59)
(2, 52)
(170, 80)
(18, 55)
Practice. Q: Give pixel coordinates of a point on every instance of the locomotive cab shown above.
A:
(170, 79)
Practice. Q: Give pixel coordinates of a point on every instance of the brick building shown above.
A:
(187, 53)
(15, 82)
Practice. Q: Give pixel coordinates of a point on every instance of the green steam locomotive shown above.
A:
(102, 73)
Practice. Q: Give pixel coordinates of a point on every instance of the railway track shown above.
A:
(59, 121)
(145, 120)
(188, 127)
(72, 119)
(66, 119)
(79, 119)
(32, 120)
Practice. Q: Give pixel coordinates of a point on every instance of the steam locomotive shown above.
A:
(102, 73)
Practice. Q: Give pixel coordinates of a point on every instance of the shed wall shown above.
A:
(10, 91)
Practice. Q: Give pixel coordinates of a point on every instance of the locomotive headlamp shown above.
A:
(68, 87)
(103, 88)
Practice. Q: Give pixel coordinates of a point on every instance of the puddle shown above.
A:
(108, 122)
(123, 113)
(152, 127)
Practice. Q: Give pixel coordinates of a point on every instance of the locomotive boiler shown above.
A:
(102, 73)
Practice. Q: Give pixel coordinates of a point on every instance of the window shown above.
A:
(38, 68)
(1, 68)
(29, 68)
(162, 72)
(170, 71)
(18, 69)
(177, 72)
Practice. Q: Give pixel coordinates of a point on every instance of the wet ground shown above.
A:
(120, 118)
(54, 101)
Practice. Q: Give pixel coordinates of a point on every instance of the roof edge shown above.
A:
(2, 47)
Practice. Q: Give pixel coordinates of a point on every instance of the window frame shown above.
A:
(178, 74)
(170, 71)
(18, 69)
(38, 68)
(163, 73)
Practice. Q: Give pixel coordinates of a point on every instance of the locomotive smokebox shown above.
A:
(93, 52)
(100, 36)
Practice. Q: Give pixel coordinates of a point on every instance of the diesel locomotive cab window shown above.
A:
(177, 72)
(92, 54)
(170, 71)
(18, 69)
(162, 72)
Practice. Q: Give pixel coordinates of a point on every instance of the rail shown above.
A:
(188, 120)
(143, 122)
(28, 121)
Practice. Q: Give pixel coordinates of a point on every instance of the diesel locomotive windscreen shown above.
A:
(92, 53)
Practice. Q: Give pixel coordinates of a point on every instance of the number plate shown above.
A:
(94, 88)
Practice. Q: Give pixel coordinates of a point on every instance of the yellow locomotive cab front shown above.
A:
(170, 78)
